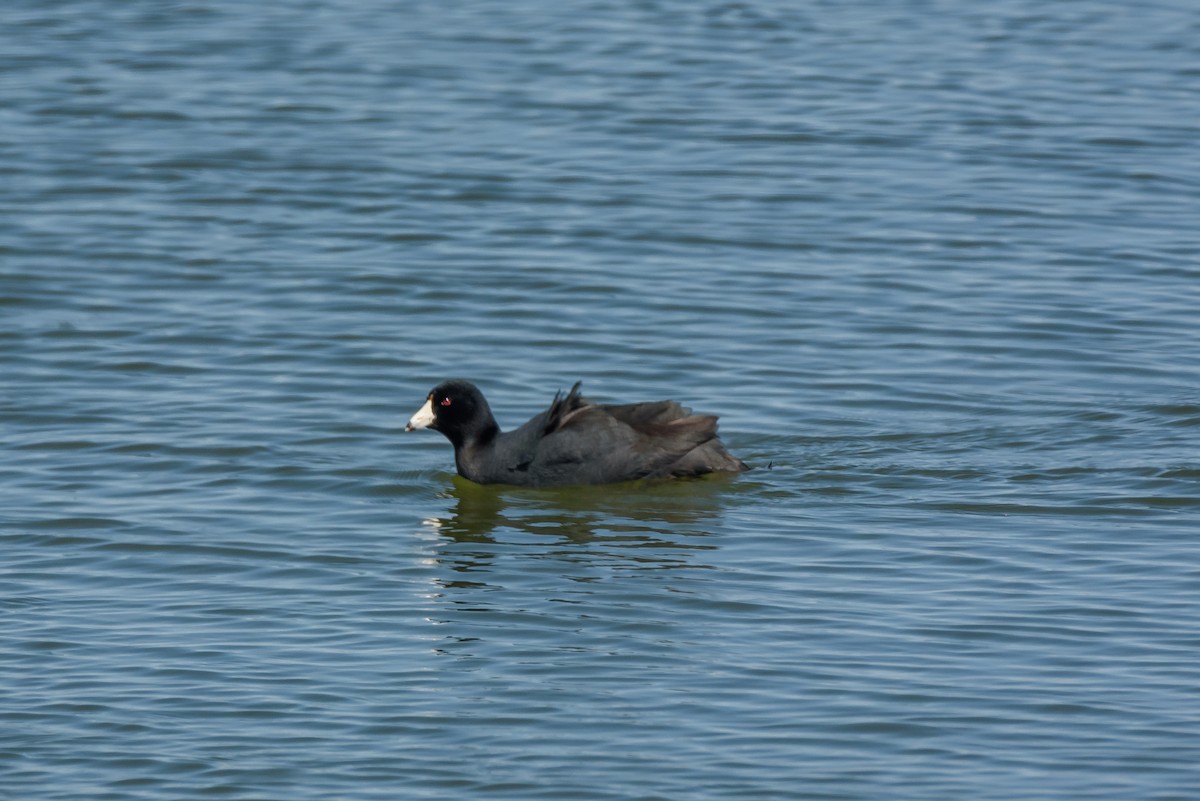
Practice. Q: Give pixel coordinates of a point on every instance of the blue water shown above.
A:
(936, 265)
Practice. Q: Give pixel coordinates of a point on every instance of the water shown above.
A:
(934, 264)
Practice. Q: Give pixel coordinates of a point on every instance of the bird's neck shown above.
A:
(470, 447)
(475, 438)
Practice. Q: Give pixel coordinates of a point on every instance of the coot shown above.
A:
(575, 441)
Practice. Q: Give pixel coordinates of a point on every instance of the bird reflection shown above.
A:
(513, 560)
(579, 513)
(646, 522)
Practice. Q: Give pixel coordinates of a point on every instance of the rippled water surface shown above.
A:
(934, 264)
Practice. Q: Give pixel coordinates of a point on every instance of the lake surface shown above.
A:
(936, 265)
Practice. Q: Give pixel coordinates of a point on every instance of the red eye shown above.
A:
(445, 401)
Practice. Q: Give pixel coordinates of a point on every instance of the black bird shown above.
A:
(575, 441)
